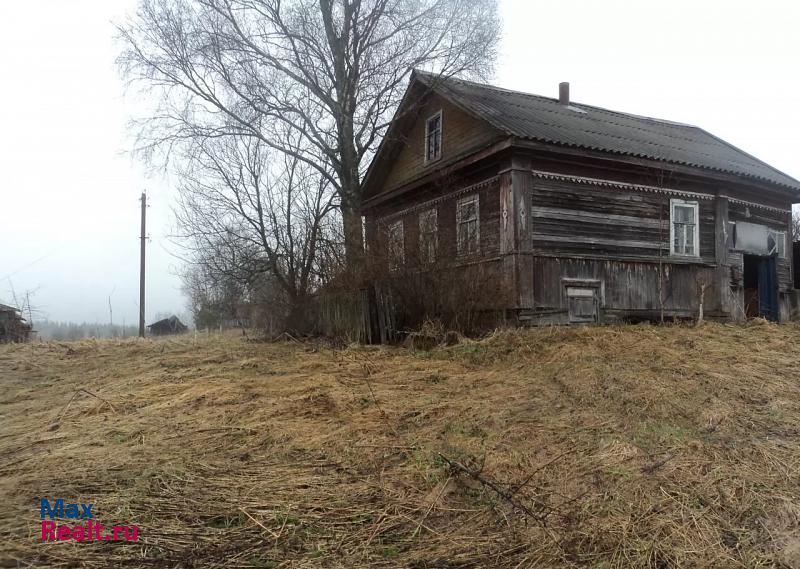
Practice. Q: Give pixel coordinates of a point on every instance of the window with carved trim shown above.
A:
(468, 225)
(396, 244)
(428, 236)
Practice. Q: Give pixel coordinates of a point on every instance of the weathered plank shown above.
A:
(541, 212)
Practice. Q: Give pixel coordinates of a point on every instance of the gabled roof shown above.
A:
(544, 119)
(171, 323)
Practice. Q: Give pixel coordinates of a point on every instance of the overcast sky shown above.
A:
(69, 210)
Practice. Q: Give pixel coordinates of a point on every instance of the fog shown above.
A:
(69, 190)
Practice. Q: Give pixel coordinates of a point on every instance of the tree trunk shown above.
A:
(353, 236)
(298, 320)
(351, 201)
(702, 296)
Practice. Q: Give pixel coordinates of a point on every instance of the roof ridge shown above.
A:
(642, 129)
(555, 100)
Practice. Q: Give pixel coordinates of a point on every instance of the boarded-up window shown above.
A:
(433, 137)
(428, 236)
(583, 304)
(684, 235)
(468, 225)
(396, 244)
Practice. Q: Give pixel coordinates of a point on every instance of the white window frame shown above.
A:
(428, 233)
(474, 198)
(396, 245)
(696, 241)
(779, 237)
(438, 156)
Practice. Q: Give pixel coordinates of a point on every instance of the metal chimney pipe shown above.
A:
(563, 93)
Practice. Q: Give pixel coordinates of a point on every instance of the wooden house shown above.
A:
(584, 214)
(13, 327)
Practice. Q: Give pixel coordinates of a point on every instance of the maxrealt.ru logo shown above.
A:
(89, 531)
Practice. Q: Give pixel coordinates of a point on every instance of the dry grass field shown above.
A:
(607, 447)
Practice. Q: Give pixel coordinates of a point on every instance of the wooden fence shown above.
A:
(367, 315)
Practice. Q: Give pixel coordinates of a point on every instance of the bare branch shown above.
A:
(329, 72)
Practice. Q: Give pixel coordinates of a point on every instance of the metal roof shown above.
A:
(544, 119)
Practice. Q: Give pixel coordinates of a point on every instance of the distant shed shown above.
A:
(167, 326)
(13, 327)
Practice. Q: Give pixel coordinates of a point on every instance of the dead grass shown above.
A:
(619, 447)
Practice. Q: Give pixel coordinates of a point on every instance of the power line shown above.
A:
(22, 268)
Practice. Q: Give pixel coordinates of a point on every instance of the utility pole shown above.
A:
(141, 266)
(28, 302)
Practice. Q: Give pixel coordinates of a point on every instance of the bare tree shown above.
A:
(213, 297)
(245, 213)
(702, 281)
(329, 71)
(662, 178)
(23, 303)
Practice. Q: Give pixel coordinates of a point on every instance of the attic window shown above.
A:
(433, 138)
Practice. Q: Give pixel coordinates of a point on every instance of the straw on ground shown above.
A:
(607, 447)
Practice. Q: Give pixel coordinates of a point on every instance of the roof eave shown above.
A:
(692, 169)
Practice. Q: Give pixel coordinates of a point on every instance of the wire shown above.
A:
(22, 268)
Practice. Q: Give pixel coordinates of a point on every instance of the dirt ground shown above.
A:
(620, 447)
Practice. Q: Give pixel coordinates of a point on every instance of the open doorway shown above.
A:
(760, 287)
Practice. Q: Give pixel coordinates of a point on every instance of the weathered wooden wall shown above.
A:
(468, 289)
(442, 197)
(580, 219)
(617, 235)
(629, 289)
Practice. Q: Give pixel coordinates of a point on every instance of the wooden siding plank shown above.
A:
(605, 218)
(611, 242)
